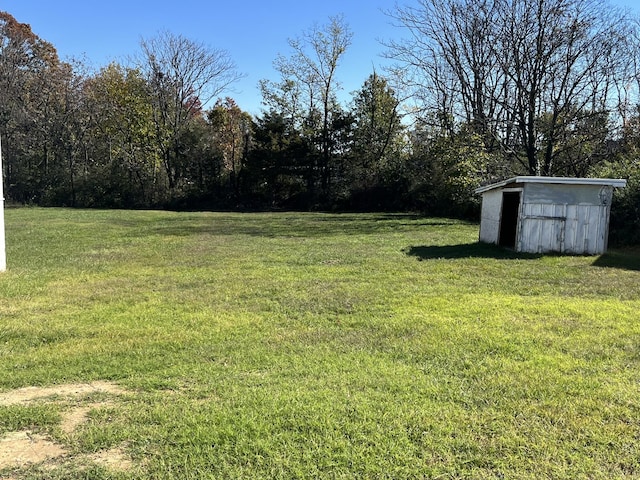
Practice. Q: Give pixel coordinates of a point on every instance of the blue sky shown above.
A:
(252, 31)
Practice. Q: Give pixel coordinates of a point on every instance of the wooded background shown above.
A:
(478, 91)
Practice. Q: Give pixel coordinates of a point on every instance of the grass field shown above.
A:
(287, 345)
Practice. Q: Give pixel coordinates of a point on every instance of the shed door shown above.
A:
(509, 219)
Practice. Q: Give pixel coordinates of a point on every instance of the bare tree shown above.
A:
(309, 77)
(519, 72)
(183, 76)
(448, 60)
(561, 67)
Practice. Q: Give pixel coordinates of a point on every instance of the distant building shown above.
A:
(548, 214)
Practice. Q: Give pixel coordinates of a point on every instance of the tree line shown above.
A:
(478, 90)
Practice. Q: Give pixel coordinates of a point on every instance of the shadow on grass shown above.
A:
(295, 224)
(622, 259)
(466, 250)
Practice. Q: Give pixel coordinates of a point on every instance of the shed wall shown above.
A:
(564, 218)
(563, 194)
(576, 229)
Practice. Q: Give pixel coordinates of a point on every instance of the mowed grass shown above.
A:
(288, 345)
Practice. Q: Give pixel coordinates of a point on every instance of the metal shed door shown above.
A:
(509, 219)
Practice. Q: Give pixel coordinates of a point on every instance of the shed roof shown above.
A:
(613, 182)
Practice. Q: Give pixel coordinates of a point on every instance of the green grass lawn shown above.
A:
(289, 345)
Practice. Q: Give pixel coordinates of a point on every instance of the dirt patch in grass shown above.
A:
(75, 417)
(18, 449)
(114, 459)
(23, 448)
(29, 394)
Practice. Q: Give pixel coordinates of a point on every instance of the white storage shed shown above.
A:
(548, 214)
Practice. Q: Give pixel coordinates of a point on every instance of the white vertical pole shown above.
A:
(3, 251)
